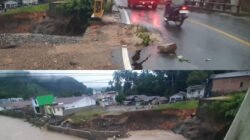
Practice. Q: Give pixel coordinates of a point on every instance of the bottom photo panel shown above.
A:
(124, 105)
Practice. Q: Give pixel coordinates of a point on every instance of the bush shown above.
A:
(108, 6)
(120, 98)
(144, 35)
(227, 110)
(80, 11)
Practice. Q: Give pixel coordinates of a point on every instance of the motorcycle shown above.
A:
(176, 14)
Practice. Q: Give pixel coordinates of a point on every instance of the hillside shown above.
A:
(26, 85)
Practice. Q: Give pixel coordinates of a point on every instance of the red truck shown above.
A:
(145, 3)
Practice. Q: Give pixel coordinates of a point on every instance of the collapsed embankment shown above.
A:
(105, 126)
(39, 23)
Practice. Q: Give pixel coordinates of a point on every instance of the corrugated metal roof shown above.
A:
(231, 74)
(45, 100)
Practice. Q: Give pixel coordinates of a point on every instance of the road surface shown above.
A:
(209, 41)
(16, 129)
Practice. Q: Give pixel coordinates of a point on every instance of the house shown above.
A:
(225, 83)
(69, 105)
(29, 2)
(42, 104)
(1, 108)
(195, 92)
(10, 4)
(107, 98)
(18, 105)
(180, 96)
(144, 100)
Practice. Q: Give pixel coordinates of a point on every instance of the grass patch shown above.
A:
(193, 104)
(28, 9)
(86, 115)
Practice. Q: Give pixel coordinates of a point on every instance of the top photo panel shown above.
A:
(124, 34)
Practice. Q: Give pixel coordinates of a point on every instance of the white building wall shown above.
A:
(1, 108)
(10, 4)
(28, 2)
(84, 102)
(58, 111)
(195, 94)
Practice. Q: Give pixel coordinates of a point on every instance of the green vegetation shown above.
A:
(25, 85)
(192, 104)
(120, 98)
(108, 6)
(144, 35)
(86, 115)
(28, 9)
(156, 83)
(80, 12)
(227, 109)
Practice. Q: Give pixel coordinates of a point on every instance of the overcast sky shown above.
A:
(91, 78)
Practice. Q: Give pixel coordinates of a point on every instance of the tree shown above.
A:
(120, 98)
(80, 12)
(198, 77)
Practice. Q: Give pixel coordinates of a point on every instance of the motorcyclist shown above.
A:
(171, 5)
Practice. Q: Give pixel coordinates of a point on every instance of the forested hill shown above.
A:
(26, 85)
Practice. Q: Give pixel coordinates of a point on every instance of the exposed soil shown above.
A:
(91, 51)
(139, 120)
(39, 23)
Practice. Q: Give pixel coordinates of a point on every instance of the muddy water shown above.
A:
(154, 135)
(16, 129)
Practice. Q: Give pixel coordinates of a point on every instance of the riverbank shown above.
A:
(17, 129)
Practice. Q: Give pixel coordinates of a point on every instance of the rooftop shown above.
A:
(231, 74)
(196, 87)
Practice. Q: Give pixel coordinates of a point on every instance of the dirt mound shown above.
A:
(139, 120)
(39, 23)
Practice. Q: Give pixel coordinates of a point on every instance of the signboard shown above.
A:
(98, 8)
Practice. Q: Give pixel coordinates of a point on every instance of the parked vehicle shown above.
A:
(176, 14)
(145, 3)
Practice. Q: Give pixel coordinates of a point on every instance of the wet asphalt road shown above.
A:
(222, 39)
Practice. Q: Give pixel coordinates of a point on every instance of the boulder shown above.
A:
(168, 48)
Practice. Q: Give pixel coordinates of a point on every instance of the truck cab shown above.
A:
(145, 3)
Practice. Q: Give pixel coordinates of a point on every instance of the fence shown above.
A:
(240, 7)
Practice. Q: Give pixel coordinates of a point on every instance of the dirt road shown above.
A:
(154, 135)
(15, 129)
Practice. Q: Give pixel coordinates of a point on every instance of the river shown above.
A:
(17, 129)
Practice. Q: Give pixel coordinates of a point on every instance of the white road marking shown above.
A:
(125, 58)
(126, 16)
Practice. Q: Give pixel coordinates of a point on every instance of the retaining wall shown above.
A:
(88, 134)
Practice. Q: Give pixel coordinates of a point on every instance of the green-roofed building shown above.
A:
(42, 104)
(45, 100)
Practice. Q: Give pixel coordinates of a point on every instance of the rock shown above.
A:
(73, 63)
(168, 48)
